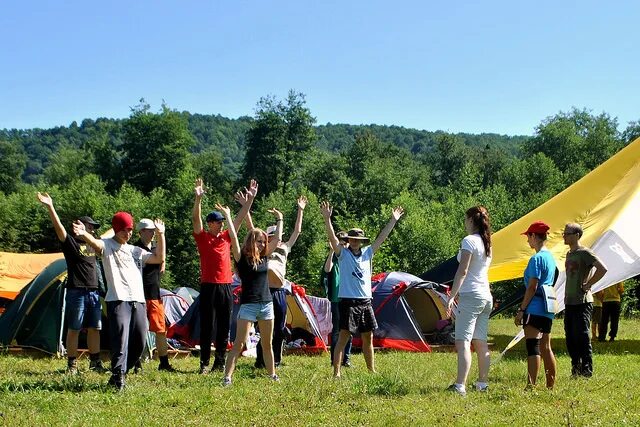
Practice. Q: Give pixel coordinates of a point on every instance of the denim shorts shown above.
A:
(255, 311)
(472, 317)
(83, 309)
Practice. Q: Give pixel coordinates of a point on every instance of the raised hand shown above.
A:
(224, 209)
(160, 228)
(253, 189)
(302, 202)
(79, 228)
(326, 209)
(45, 199)
(199, 188)
(276, 212)
(241, 197)
(397, 212)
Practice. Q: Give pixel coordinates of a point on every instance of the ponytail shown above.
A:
(480, 218)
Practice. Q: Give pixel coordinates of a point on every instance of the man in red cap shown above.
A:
(82, 301)
(126, 307)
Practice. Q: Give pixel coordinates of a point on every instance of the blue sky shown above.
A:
(493, 66)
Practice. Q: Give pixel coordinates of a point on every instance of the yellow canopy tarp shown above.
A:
(17, 270)
(606, 202)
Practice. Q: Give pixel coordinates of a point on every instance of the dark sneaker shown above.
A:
(346, 364)
(204, 369)
(72, 368)
(137, 368)
(97, 367)
(226, 382)
(275, 378)
(166, 367)
(117, 381)
(218, 365)
(611, 339)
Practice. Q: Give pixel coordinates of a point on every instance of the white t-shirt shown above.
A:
(477, 279)
(123, 269)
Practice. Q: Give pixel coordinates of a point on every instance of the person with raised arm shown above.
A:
(277, 270)
(256, 304)
(356, 312)
(330, 280)
(126, 305)
(216, 298)
(82, 301)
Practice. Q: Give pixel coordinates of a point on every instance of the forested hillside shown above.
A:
(146, 164)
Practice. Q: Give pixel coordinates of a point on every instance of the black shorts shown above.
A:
(356, 315)
(541, 323)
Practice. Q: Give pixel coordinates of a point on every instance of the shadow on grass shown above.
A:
(559, 346)
(75, 384)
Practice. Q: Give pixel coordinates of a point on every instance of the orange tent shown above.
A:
(17, 270)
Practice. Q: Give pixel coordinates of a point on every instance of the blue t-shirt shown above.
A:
(541, 266)
(355, 273)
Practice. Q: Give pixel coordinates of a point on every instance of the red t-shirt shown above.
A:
(215, 257)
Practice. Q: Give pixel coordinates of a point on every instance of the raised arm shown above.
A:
(273, 244)
(161, 250)
(326, 210)
(461, 273)
(297, 228)
(250, 194)
(196, 213)
(47, 201)
(80, 231)
(328, 264)
(233, 234)
(242, 198)
(396, 213)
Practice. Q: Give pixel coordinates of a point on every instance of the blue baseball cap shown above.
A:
(215, 216)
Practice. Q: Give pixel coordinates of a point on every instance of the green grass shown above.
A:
(408, 390)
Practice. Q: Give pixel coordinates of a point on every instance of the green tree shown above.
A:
(277, 141)
(13, 162)
(155, 147)
(576, 139)
(68, 164)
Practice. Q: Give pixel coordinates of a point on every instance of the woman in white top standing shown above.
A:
(475, 302)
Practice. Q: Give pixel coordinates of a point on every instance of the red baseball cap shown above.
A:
(121, 221)
(537, 227)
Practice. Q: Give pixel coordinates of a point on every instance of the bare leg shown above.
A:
(93, 340)
(72, 343)
(367, 350)
(533, 362)
(484, 359)
(464, 361)
(549, 360)
(338, 353)
(161, 344)
(242, 333)
(266, 334)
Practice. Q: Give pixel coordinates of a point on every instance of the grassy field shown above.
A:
(408, 390)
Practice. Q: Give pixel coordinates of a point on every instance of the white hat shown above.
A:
(145, 224)
(271, 230)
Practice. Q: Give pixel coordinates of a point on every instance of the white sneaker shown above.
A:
(457, 389)
(483, 387)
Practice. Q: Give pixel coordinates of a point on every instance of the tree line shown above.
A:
(147, 163)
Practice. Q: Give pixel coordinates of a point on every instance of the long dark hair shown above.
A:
(480, 218)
